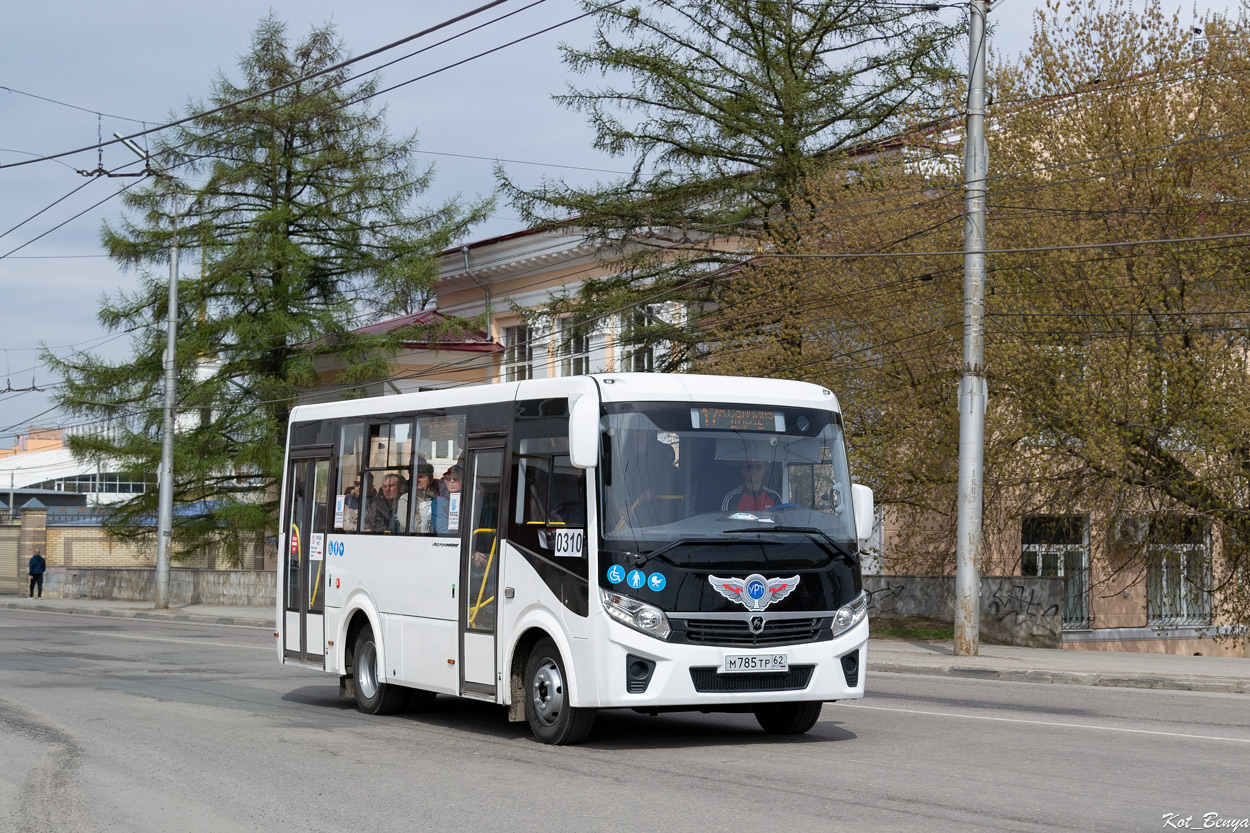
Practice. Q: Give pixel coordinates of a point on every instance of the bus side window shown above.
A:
(351, 491)
(389, 466)
(440, 446)
(549, 494)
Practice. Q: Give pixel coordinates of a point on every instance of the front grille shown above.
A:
(737, 632)
(708, 681)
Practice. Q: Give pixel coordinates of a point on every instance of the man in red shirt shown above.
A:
(752, 495)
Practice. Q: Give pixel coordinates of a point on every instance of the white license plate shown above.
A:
(740, 663)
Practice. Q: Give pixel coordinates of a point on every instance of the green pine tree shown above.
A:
(296, 213)
(726, 108)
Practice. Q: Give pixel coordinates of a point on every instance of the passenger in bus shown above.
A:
(383, 514)
(353, 496)
(425, 479)
(752, 495)
(424, 495)
(453, 478)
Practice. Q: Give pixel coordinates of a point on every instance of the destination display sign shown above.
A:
(737, 419)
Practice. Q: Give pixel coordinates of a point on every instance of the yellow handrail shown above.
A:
(473, 609)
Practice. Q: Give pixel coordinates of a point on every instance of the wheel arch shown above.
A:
(530, 630)
(358, 613)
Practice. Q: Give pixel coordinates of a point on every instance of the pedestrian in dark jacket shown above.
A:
(37, 567)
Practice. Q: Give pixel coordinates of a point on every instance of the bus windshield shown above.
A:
(681, 476)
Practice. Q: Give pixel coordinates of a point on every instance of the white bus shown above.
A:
(557, 546)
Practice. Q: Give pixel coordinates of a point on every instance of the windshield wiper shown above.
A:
(814, 532)
(646, 556)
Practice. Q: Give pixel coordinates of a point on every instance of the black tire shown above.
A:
(788, 718)
(373, 694)
(551, 718)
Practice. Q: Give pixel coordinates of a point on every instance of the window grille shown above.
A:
(1178, 571)
(1058, 546)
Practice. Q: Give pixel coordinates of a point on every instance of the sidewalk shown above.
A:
(1228, 675)
(995, 662)
(254, 617)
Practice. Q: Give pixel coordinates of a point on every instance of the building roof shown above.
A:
(452, 338)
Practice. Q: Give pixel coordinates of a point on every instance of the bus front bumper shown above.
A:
(638, 671)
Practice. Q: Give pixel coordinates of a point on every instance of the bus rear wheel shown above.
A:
(787, 718)
(552, 719)
(373, 695)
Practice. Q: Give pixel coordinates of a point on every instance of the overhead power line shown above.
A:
(279, 88)
(74, 106)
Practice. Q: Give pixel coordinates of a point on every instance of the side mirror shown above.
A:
(861, 499)
(584, 432)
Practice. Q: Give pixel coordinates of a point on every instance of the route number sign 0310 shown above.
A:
(570, 542)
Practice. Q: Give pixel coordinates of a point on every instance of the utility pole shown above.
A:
(972, 390)
(165, 513)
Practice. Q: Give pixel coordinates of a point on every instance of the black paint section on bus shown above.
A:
(826, 581)
(572, 590)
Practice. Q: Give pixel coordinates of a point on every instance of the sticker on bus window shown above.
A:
(569, 542)
(453, 512)
(338, 511)
(316, 546)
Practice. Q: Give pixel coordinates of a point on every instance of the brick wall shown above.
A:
(91, 546)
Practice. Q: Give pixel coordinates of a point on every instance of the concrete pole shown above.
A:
(972, 390)
(165, 499)
(165, 518)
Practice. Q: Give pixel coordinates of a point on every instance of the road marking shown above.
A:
(1050, 723)
(178, 641)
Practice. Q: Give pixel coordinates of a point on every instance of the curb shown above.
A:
(1219, 685)
(155, 615)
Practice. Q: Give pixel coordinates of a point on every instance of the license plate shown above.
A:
(739, 663)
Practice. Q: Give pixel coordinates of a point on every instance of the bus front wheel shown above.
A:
(373, 694)
(552, 719)
(787, 718)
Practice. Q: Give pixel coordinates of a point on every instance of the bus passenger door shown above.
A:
(481, 547)
(307, 502)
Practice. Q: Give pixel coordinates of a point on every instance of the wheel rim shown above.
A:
(548, 692)
(367, 671)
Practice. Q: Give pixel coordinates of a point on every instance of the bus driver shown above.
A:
(752, 495)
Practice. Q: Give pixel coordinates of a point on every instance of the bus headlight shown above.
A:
(850, 614)
(638, 615)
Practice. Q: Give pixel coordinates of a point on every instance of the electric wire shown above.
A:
(271, 91)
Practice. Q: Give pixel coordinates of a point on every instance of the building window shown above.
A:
(1058, 546)
(1178, 571)
(574, 350)
(518, 354)
(635, 357)
(103, 483)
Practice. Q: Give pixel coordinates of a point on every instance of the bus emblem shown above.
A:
(754, 592)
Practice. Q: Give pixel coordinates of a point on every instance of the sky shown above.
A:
(129, 62)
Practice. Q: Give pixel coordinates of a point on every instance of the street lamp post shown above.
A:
(972, 390)
(165, 512)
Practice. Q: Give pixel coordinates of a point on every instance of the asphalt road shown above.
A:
(133, 725)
